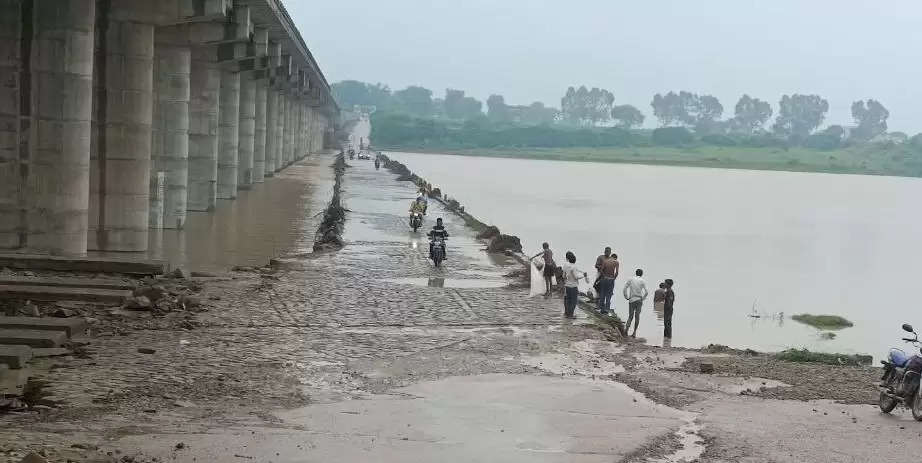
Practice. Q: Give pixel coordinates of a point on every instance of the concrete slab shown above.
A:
(83, 264)
(13, 382)
(101, 283)
(58, 293)
(15, 356)
(70, 326)
(33, 338)
(43, 352)
(483, 418)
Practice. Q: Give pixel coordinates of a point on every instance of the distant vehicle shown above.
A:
(364, 156)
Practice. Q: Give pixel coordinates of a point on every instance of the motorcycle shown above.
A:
(416, 221)
(438, 250)
(899, 383)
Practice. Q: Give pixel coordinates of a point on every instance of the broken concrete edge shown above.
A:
(82, 264)
(490, 235)
(63, 293)
(329, 235)
(15, 355)
(73, 326)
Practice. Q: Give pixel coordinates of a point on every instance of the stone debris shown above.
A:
(706, 367)
(146, 350)
(33, 458)
(180, 274)
(138, 303)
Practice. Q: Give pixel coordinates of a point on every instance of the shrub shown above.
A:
(671, 136)
(719, 140)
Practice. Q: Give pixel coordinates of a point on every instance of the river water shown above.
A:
(737, 243)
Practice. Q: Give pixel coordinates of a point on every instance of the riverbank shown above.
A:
(369, 353)
(888, 160)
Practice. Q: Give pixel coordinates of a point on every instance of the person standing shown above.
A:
(550, 267)
(598, 267)
(609, 271)
(668, 305)
(659, 296)
(635, 291)
(571, 274)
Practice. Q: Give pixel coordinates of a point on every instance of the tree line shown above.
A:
(682, 115)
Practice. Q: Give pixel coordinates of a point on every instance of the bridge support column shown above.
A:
(246, 133)
(170, 141)
(272, 113)
(205, 87)
(290, 130)
(45, 190)
(121, 145)
(259, 143)
(228, 116)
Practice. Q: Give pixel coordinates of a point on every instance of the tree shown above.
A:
(414, 100)
(537, 114)
(349, 93)
(871, 117)
(751, 114)
(799, 115)
(669, 109)
(702, 111)
(626, 116)
(458, 106)
(599, 105)
(497, 110)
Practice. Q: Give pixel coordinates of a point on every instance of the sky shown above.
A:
(532, 50)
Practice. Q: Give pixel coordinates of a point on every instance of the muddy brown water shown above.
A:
(277, 217)
(737, 242)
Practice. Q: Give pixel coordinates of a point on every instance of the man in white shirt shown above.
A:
(635, 291)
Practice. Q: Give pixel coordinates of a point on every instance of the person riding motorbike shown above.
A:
(421, 199)
(438, 231)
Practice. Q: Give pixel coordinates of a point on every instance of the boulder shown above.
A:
(33, 458)
(706, 367)
(488, 233)
(153, 293)
(190, 301)
(180, 274)
(503, 243)
(146, 350)
(137, 303)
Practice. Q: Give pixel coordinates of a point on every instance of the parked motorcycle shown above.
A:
(899, 383)
(416, 221)
(438, 250)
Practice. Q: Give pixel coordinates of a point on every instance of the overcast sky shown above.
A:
(528, 50)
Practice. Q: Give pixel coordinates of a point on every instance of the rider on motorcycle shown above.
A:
(418, 206)
(438, 231)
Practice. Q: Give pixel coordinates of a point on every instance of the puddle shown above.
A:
(691, 444)
(668, 359)
(448, 282)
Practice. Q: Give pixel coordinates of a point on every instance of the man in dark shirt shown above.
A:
(667, 309)
(608, 271)
(438, 231)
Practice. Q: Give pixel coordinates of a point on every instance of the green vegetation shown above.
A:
(806, 356)
(589, 126)
(823, 322)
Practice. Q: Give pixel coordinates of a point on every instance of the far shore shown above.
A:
(842, 161)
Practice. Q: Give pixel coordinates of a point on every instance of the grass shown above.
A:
(871, 159)
(823, 322)
(806, 356)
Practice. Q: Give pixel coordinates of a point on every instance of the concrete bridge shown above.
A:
(118, 116)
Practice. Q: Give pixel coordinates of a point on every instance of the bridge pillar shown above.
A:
(121, 138)
(259, 143)
(272, 114)
(47, 98)
(246, 131)
(205, 85)
(170, 141)
(290, 129)
(229, 114)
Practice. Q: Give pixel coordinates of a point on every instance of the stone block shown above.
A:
(16, 356)
(69, 326)
(32, 338)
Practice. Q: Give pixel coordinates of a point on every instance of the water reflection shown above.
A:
(270, 219)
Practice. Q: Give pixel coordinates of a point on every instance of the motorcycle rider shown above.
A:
(421, 198)
(438, 231)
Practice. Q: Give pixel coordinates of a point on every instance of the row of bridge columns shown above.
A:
(118, 116)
